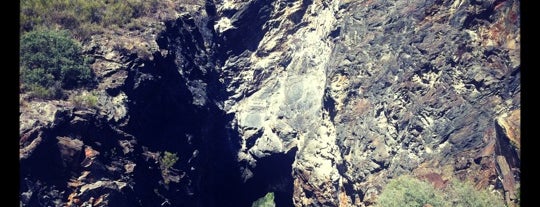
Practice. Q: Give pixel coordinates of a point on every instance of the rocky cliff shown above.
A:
(320, 102)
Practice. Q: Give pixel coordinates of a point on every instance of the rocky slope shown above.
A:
(320, 102)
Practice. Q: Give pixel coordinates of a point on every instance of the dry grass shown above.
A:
(84, 18)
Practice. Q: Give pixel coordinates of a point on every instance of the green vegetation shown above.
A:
(51, 61)
(518, 195)
(87, 100)
(409, 191)
(37, 91)
(266, 201)
(168, 160)
(464, 194)
(82, 17)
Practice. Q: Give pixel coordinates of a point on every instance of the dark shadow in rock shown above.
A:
(249, 30)
(272, 174)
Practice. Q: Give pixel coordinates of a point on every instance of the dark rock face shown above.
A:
(175, 111)
(426, 88)
(318, 102)
(77, 159)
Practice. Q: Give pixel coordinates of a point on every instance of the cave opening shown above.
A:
(212, 178)
(272, 174)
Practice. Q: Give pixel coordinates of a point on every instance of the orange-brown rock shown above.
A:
(511, 127)
(507, 178)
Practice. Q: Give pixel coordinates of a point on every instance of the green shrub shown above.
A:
(49, 58)
(463, 194)
(87, 100)
(266, 201)
(54, 92)
(410, 191)
(168, 160)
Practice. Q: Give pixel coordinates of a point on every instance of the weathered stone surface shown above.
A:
(320, 102)
(70, 151)
(102, 193)
(405, 83)
(507, 178)
(36, 114)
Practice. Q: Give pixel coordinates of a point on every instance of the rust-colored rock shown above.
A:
(507, 178)
(510, 124)
(90, 154)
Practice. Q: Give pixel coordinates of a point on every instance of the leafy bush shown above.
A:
(464, 194)
(50, 58)
(168, 160)
(54, 92)
(409, 191)
(266, 201)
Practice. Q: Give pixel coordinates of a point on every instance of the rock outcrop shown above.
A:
(365, 91)
(319, 102)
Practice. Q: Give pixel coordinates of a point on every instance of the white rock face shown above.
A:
(223, 25)
(280, 107)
